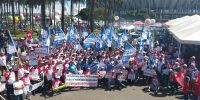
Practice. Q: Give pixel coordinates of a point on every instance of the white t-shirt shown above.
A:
(21, 73)
(34, 74)
(11, 79)
(18, 84)
(49, 75)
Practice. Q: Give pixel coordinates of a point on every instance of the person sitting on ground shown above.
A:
(56, 83)
(154, 86)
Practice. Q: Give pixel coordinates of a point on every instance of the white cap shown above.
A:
(26, 72)
(57, 67)
(9, 67)
(57, 76)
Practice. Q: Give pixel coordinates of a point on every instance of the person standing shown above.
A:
(20, 71)
(34, 74)
(10, 79)
(186, 88)
(18, 86)
(27, 83)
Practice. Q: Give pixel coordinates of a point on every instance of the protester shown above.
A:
(27, 83)
(186, 88)
(10, 79)
(158, 66)
(18, 86)
(154, 86)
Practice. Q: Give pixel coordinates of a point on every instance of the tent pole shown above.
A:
(179, 51)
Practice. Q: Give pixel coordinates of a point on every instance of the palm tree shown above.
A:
(92, 4)
(63, 15)
(13, 15)
(1, 14)
(43, 6)
(79, 2)
(71, 10)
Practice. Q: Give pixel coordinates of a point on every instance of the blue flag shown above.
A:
(59, 34)
(109, 36)
(102, 33)
(71, 33)
(84, 32)
(129, 50)
(124, 36)
(100, 44)
(94, 68)
(141, 44)
(48, 40)
(90, 41)
(11, 45)
(77, 45)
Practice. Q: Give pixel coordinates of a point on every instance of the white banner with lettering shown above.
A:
(81, 80)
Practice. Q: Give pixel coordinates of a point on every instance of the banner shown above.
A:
(123, 76)
(33, 62)
(149, 72)
(2, 87)
(60, 87)
(131, 76)
(35, 86)
(81, 80)
(32, 45)
(41, 50)
(34, 55)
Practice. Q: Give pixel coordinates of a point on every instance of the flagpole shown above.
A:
(179, 51)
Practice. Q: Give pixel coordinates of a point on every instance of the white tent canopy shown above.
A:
(177, 21)
(187, 30)
(130, 27)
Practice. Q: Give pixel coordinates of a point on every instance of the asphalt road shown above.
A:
(129, 93)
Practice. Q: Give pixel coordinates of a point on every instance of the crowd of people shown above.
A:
(159, 67)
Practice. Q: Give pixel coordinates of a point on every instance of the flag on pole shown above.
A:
(90, 41)
(124, 36)
(141, 44)
(100, 44)
(11, 45)
(48, 40)
(77, 45)
(71, 33)
(102, 33)
(109, 36)
(129, 50)
(59, 34)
